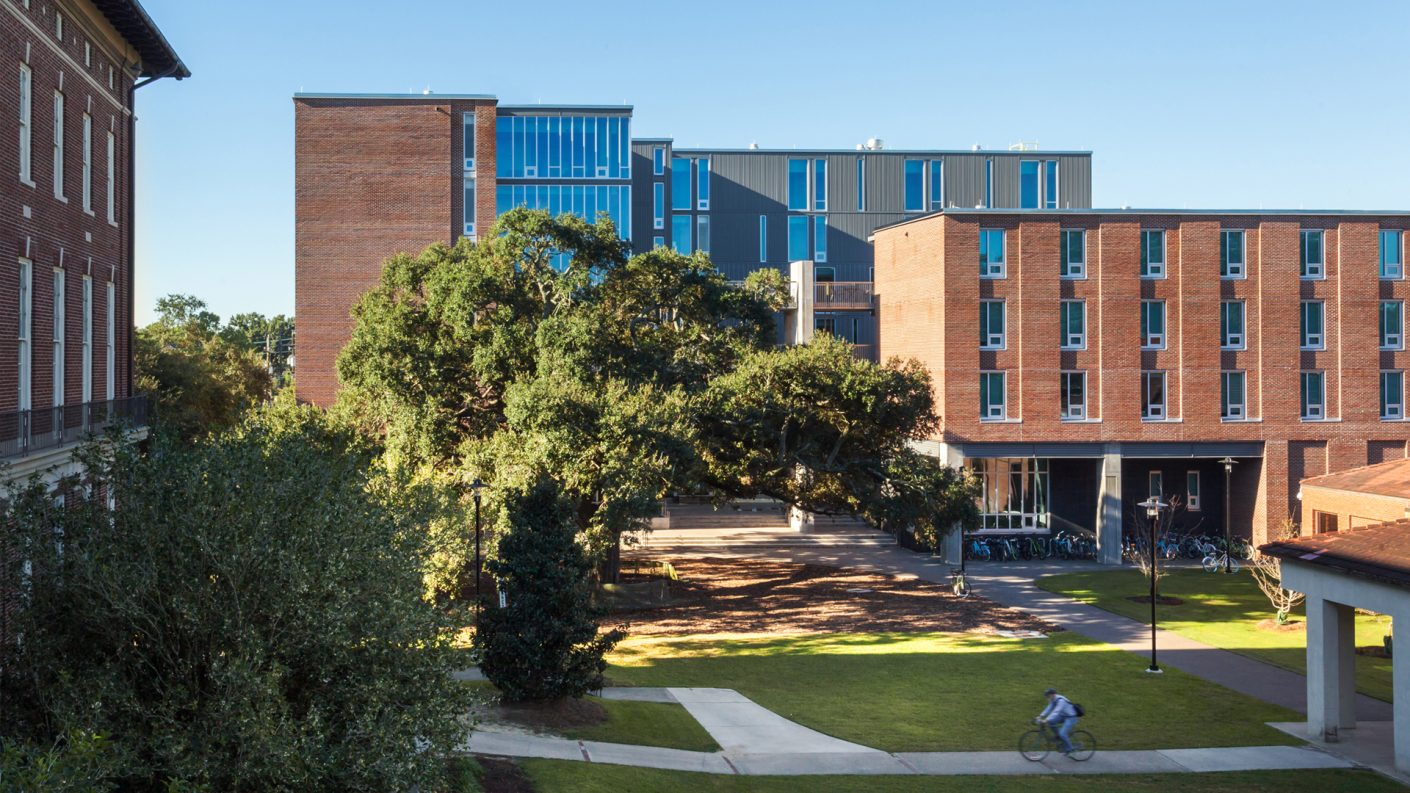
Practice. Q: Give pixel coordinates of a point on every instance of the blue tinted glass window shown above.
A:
(702, 183)
(1050, 184)
(658, 161)
(861, 184)
(702, 233)
(914, 179)
(1028, 184)
(820, 185)
(988, 183)
(937, 184)
(503, 133)
(820, 239)
(798, 185)
(1391, 263)
(658, 205)
(763, 238)
(680, 183)
(680, 233)
(797, 239)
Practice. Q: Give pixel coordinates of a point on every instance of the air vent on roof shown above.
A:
(1022, 146)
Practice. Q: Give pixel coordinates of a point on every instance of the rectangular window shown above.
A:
(991, 253)
(1313, 395)
(26, 124)
(797, 239)
(1312, 325)
(1050, 184)
(1153, 253)
(1392, 264)
(112, 178)
(937, 185)
(680, 234)
(58, 145)
(680, 184)
(1073, 386)
(1392, 396)
(87, 163)
(468, 206)
(824, 275)
(658, 161)
(1231, 324)
(1074, 254)
(820, 238)
(914, 182)
(820, 185)
(658, 242)
(1192, 491)
(58, 369)
(1028, 184)
(1153, 395)
(992, 396)
(110, 340)
(861, 184)
(1074, 324)
(58, 26)
(1231, 254)
(988, 184)
(1152, 324)
(1324, 522)
(798, 185)
(1311, 250)
(658, 205)
(467, 140)
(991, 325)
(702, 183)
(1231, 395)
(26, 299)
(702, 233)
(763, 238)
(1392, 324)
(87, 355)
(1155, 484)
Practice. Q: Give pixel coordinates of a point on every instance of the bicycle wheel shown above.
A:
(1033, 745)
(1083, 745)
(1234, 565)
(961, 588)
(1211, 563)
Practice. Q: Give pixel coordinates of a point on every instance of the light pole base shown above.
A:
(1154, 670)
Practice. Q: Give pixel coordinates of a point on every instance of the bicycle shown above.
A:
(1214, 562)
(961, 585)
(1038, 742)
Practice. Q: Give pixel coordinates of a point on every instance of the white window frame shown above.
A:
(59, 146)
(996, 412)
(1313, 411)
(1073, 341)
(1154, 341)
(1309, 270)
(25, 333)
(820, 235)
(658, 205)
(861, 184)
(702, 234)
(1232, 341)
(1230, 410)
(58, 26)
(990, 340)
(935, 204)
(26, 125)
(988, 268)
(763, 238)
(813, 186)
(1392, 411)
(467, 122)
(1154, 411)
(1312, 341)
(702, 178)
(1393, 340)
(658, 160)
(1192, 502)
(1231, 270)
(1077, 271)
(1155, 484)
(87, 163)
(1153, 270)
(87, 356)
(110, 317)
(1398, 272)
(60, 328)
(112, 178)
(658, 242)
(467, 211)
(1070, 411)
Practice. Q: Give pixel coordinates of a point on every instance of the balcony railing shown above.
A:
(841, 295)
(24, 432)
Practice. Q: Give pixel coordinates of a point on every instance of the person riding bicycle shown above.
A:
(1060, 716)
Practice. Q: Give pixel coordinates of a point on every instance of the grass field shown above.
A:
(556, 776)
(1223, 611)
(948, 692)
(647, 724)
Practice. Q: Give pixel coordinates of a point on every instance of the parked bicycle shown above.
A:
(1215, 562)
(1039, 742)
(961, 584)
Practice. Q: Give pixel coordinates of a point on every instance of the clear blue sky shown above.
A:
(1286, 104)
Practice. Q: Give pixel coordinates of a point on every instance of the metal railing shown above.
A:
(24, 432)
(842, 294)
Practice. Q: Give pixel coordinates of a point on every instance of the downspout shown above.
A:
(132, 221)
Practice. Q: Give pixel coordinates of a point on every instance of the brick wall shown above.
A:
(372, 178)
(1353, 510)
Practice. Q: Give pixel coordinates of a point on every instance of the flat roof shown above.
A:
(1036, 155)
(408, 97)
(614, 108)
(1380, 552)
(1157, 211)
(1391, 478)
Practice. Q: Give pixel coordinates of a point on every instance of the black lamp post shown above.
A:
(1153, 507)
(1229, 463)
(475, 487)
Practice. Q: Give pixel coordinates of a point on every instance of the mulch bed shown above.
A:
(558, 715)
(718, 595)
(503, 775)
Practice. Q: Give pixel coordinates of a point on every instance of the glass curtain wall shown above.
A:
(1015, 495)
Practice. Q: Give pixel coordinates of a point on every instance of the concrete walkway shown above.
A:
(757, 741)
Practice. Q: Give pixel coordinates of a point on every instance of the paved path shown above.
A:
(1012, 584)
(757, 741)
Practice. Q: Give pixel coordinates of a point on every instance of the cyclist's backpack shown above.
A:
(1079, 710)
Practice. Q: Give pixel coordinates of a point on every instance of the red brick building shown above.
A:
(1086, 359)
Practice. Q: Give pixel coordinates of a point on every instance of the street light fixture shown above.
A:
(1153, 506)
(475, 487)
(1229, 464)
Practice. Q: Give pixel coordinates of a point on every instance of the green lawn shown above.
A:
(648, 724)
(560, 776)
(947, 692)
(1223, 611)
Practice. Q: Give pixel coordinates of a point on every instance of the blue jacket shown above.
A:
(1058, 710)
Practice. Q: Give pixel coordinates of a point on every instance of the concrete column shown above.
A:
(1331, 668)
(800, 520)
(1109, 517)
(952, 548)
(1400, 688)
(798, 322)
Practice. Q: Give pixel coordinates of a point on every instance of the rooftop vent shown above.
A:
(872, 144)
(1024, 146)
(753, 146)
(977, 147)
